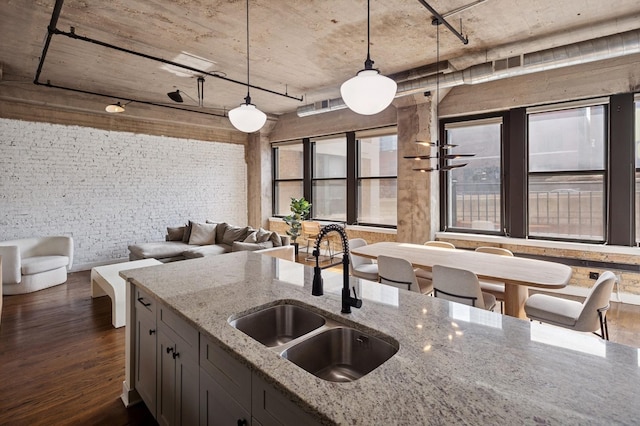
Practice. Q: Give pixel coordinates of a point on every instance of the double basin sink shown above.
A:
(322, 346)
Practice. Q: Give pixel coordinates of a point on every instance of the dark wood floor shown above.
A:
(62, 362)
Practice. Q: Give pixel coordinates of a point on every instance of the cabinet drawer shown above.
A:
(180, 327)
(232, 375)
(270, 407)
(144, 301)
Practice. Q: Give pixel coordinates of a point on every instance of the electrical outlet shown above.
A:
(594, 275)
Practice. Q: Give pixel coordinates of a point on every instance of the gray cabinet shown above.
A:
(186, 379)
(145, 349)
(225, 387)
(178, 375)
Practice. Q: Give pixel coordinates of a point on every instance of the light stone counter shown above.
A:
(455, 365)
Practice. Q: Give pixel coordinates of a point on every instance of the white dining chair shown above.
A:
(462, 286)
(425, 278)
(588, 316)
(360, 266)
(490, 286)
(399, 273)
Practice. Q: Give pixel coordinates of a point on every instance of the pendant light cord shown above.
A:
(248, 98)
(368, 64)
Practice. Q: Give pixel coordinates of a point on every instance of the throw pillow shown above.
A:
(252, 238)
(240, 246)
(234, 233)
(175, 233)
(263, 235)
(202, 234)
(187, 233)
(275, 239)
(222, 226)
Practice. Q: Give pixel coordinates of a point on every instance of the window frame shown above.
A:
(380, 132)
(445, 195)
(604, 172)
(352, 157)
(274, 176)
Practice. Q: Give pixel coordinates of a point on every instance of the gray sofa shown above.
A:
(197, 239)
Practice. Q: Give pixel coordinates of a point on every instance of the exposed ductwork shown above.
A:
(613, 46)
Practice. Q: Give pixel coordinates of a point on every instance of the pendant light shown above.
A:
(369, 92)
(247, 118)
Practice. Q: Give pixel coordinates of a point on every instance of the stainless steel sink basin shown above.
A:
(278, 325)
(340, 354)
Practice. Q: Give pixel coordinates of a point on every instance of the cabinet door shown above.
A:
(166, 384)
(217, 407)
(187, 388)
(145, 361)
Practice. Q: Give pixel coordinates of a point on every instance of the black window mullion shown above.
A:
(307, 156)
(352, 182)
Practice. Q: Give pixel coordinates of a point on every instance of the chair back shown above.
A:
(441, 244)
(310, 228)
(397, 272)
(355, 260)
(598, 299)
(457, 285)
(494, 250)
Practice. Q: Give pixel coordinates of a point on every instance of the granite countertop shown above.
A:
(456, 364)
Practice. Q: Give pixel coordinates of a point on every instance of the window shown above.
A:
(288, 175)
(349, 178)
(329, 179)
(567, 172)
(377, 179)
(474, 192)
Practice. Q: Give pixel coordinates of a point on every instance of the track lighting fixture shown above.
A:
(115, 108)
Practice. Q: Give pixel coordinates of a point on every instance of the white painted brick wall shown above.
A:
(111, 189)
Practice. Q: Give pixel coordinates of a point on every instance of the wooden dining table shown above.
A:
(517, 273)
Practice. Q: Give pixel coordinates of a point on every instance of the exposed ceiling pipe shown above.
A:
(613, 46)
(609, 47)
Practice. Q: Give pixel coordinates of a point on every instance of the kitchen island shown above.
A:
(455, 364)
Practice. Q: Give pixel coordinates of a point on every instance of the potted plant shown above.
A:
(300, 209)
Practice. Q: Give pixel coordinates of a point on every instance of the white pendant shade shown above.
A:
(369, 92)
(247, 118)
(115, 108)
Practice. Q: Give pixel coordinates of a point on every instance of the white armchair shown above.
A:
(32, 264)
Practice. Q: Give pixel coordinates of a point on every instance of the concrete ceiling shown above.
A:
(304, 47)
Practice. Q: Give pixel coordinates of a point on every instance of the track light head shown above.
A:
(175, 96)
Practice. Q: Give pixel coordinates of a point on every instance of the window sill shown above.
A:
(559, 245)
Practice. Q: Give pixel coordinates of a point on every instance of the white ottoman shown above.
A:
(106, 281)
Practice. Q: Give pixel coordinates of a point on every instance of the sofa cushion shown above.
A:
(263, 235)
(252, 237)
(239, 246)
(220, 229)
(37, 264)
(202, 234)
(187, 233)
(234, 233)
(202, 251)
(175, 233)
(159, 249)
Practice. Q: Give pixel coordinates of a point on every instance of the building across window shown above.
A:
(329, 178)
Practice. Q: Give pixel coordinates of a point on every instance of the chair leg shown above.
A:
(604, 328)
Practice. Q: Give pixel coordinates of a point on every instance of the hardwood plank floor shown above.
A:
(62, 362)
